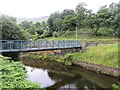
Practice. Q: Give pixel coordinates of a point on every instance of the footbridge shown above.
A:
(8, 46)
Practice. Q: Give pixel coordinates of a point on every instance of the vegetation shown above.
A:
(103, 23)
(71, 35)
(9, 29)
(101, 26)
(106, 55)
(116, 86)
(65, 60)
(68, 20)
(14, 75)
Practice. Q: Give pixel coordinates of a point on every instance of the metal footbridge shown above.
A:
(39, 45)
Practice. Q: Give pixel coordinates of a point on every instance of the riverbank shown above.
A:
(100, 69)
(101, 58)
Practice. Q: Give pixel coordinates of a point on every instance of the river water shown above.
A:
(56, 76)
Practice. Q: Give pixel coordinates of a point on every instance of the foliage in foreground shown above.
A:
(14, 75)
(106, 55)
(115, 86)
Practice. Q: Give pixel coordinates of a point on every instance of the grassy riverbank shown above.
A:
(106, 55)
(14, 75)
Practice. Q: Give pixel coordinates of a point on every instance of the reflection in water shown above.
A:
(39, 75)
(71, 82)
(57, 76)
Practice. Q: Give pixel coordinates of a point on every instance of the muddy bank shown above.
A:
(99, 68)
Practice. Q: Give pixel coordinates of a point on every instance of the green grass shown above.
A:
(14, 75)
(106, 55)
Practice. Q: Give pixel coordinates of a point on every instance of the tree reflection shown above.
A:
(71, 76)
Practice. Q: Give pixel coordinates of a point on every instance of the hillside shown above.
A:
(34, 20)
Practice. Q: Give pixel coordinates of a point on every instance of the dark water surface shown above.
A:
(56, 76)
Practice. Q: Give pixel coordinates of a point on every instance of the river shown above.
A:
(56, 76)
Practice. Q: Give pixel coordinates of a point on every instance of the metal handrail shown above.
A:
(23, 45)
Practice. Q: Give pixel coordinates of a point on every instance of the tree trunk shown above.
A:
(92, 33)
(92, 30)
(96, 31)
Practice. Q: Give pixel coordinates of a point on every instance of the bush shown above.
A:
(105, 32)
(68, 59)
(39, 31)
(46, 33)
(55, 34)
(67, 32)
(42, 36)
(115, 86)
(14, 75)
(25, 35)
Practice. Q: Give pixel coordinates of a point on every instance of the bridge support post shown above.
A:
(21, 45)
(63, 44)
(27, 44)
(53, 44)
(30, 44)
(46, 42)
(38, 44)
(10, 46)
(58, 44)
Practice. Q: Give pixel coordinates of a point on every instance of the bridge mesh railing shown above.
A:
(24, 45)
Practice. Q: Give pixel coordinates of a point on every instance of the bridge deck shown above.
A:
(41, 45)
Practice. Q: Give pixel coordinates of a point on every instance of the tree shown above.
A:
(59, 25)
(69, 23)
(52, 21)
(10, 30)
(81, 14)
(109, 17)
(66, 13)
(26, 25)
(114, 9)
(94, 22)
(58, 22)
(81, 8)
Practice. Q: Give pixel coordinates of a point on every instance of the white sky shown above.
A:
(38, 8)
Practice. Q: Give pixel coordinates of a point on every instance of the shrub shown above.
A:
(14, 75)
(68, 59)
(39, 31)
(115, 86)
(55, 34)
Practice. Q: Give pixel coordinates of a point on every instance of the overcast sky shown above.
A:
(38, 8)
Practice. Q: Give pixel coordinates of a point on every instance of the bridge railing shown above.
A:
(23, 45)
(57, 44)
